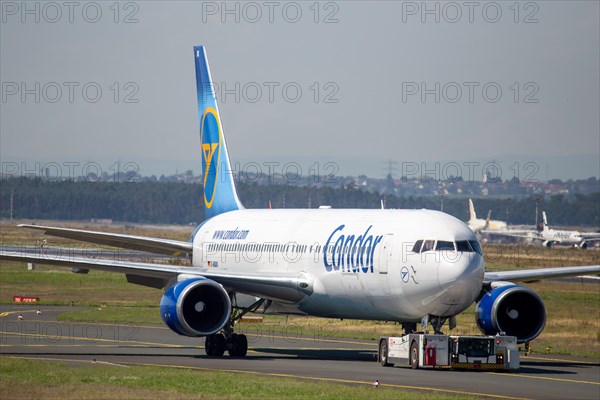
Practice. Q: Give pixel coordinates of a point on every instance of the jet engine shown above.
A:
(512, 309)
(195, 307)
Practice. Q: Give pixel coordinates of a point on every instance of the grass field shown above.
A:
(573, 308)
(27, 379)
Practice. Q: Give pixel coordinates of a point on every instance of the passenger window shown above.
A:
(417, 247)
(427, 245)
(443, 245)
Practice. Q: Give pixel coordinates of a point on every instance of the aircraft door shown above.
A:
(385, 253)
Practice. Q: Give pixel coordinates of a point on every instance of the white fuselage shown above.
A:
(361, 262)
(564, 237)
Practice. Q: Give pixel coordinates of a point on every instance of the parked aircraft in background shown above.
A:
(408, 266)
(549, 237)
(478, 224)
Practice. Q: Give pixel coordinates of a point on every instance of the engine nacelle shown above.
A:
(512, 309)
(195, 307)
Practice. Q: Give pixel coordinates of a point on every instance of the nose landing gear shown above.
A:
(437, 323)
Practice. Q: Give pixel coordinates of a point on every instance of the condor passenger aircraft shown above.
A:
(408, 266)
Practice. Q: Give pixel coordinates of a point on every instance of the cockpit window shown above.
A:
(417, 247)
(443, 245)
(428, 246)
(476, 247)
(466, 246)
(463, 245)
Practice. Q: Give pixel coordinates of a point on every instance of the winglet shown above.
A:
(220, 195)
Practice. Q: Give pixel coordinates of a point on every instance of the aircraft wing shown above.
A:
(531, 275)
(133, 242)
(275, 287)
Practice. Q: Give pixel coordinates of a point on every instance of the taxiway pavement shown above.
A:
(321, 357)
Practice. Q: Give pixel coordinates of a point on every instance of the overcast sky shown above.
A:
(354, 83)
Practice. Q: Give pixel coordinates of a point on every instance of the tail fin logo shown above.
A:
(211, 153)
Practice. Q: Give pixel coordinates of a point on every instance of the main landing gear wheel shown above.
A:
(215, 345)
(237, 346)
(383, 360)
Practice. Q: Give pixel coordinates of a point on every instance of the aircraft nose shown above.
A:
(460, 275)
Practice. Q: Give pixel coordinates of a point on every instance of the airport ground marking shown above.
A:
(67, 345)
(7, 313)
(136, 344)
(60, 337)
(71, 360)
(145, 343)
(560, 360)
(546, 378)
(159, 327)
(312, 348)
(151, 326)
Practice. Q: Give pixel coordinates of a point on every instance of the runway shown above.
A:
(323, 357)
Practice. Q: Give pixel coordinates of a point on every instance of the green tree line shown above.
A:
(181, 203)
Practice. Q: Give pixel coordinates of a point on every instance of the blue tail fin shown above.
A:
(219, 188)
